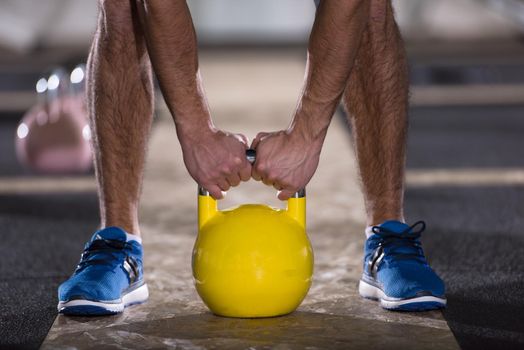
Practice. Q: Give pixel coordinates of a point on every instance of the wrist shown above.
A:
(311, 122)
(192, 128)
(190, 110)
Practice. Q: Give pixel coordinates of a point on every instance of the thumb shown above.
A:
(258, 138)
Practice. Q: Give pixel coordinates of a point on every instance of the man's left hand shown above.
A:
(285, 160)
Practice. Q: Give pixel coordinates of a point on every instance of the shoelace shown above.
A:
(100, 252)
(403, 245)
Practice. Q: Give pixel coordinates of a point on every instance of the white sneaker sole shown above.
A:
(426, 302)
(88, 307)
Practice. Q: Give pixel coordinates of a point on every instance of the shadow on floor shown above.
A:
(299, 330)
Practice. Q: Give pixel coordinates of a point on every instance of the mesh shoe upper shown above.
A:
(395, 262)
(108, 266)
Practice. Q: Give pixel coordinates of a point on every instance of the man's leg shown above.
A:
(109, 276)
(120, 104)
(395, 269)
(376, 98)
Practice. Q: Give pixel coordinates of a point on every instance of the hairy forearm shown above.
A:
(333, 44)
(172, 47)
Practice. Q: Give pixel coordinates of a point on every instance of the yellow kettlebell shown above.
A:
(252, 260)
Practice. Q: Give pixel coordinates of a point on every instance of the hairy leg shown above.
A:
(376, 98)
(120, 105)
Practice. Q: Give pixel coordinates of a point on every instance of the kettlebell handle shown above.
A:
(251, 156)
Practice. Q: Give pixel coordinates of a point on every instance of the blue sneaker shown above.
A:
(108, 278)
(396, 272)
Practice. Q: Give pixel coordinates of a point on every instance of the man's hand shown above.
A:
(215, 159)
(285, 160)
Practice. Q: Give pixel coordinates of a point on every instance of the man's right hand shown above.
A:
(215, 159)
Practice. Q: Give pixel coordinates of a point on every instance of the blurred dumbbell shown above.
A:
(77, 93)
(53, 136)
(77, 85)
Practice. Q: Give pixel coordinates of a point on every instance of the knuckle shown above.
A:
(272, 175)
(260, 167)
(292, 190)
(225, 169)
(204, 180)
(207, 172)
(289, 186)
(292, 185)
(285, 184)
(217, 180)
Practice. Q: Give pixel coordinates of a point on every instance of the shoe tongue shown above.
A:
(395, 226)
(398, 228)
(112, 233)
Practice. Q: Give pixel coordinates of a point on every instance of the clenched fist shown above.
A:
(285, 160)
(216, 159)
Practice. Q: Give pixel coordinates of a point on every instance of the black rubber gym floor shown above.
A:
(42, 237)
(474, 238)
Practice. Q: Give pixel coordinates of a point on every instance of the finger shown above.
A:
(245, 172)
(223, 184)
(259, 171)
(255, 175)
(258, 138)
(267, 181)
(277, 186)
(214, 191)
(255, 143)
(233, 179)
(285, 194)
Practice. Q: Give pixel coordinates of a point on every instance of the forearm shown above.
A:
(333, 44)
(172, 47)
